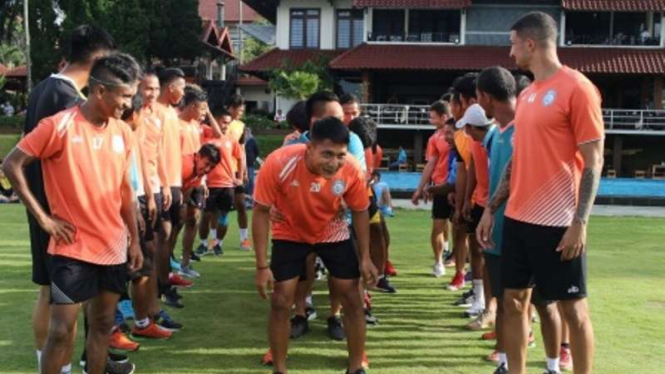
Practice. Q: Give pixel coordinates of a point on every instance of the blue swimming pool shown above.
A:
(620, 187)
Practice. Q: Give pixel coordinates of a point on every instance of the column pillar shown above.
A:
(366, 86)
(418, 148)
(617, 153)
(658, 92)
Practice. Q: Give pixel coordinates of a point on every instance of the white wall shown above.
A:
(265, 101)
(327, 23)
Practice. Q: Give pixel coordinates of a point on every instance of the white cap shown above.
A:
(474, 116)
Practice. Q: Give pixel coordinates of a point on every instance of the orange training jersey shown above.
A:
(190, 137)
(84, 167)
(378, 157)
(438, 147)
(553, 118)
(310, 204)
(172, 154)
(481, 164)
(189, 178)
(235, 131)
(223, 175)
(369, 160)
(150, 130)
(462, 141)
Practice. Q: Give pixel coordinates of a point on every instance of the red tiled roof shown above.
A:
(208, 11)
(448, 4)
(251, 81)
(218, 40)
(277, 58)
(616, 5)
(17, 72)
(419, 57)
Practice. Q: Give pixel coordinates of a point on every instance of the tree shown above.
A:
(293, 82)
(253, 48)
(44, 51)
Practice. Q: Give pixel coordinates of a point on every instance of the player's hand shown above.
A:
(484, 230)
(417, 196)
(451, 198)
(276, 215)
(427, 194)
(206, 192)
(140, 222)
(152, 210)
(134, 257)
(457, 217)
(466, 211)
(573, 243)
(168, 199)
(238, 182)
(61, 231)
(264, 282)
(369, 273)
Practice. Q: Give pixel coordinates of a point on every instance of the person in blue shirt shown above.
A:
(401, 159)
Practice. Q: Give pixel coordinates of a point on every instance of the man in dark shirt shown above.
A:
(252, 153)
(52, 95)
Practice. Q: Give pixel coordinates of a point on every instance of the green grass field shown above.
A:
(420, 332)
(7, 142)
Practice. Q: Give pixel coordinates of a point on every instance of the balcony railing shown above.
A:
(616, 40)
(617, 121)
(424, 37)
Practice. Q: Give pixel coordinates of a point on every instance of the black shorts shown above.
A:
(41, 259)
(150, 229)
(173, 213)
(493, 263)
(239, 189)
(288, 260)
(219, 200)
(441, 209)
(529, 257)
(195, 198)
(476, 214)
(74, 281)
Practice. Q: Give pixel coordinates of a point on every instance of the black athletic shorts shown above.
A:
(493, 263)
(476, 214)
(195, 199)
(219, 200)
(173, 213)
(529, 257)
(145, 236)
(239, 189)
(74, 281)
(288, 260)
(441, 209)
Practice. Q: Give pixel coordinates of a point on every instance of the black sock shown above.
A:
(565, 345)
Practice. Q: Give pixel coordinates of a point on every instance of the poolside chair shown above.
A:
(640, 174)
(611, 173)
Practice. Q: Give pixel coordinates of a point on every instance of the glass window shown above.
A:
(429, 26)
(350, 28)
(388, 25)
(304, 29)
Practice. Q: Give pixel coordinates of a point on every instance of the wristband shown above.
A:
(262, 267)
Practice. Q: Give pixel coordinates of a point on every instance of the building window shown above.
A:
(613, 28)
(434, 26)
(350, 28)
(305, 28)
(388, 25)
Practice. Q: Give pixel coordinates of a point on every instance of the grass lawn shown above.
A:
(420, 332)
(7, 142)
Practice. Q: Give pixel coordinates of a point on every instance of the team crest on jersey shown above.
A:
(531, 98)
(227, 144)
(118, 144)
(549, 98)
(338, 188)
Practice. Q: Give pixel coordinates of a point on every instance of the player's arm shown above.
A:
(216, 130)
(149, 194)
(260, 230)
(128, 213)
(574, 240)
(424, 179)
(500, 197)
(361, 230)
(469, 187)
(163, 178)
(13, 166)
(460, 190)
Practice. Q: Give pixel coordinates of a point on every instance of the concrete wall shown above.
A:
(327, 20)
(265, 101)
(490, 24)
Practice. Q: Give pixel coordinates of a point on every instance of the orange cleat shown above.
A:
(267, 358)
(566, 360)
(245, 245)
(493, 357)
(365, 361)
(121, 342)
(153, 331)
(178, 281)
(390, 269)
(489, 335)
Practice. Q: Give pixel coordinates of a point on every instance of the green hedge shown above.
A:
(11, 124)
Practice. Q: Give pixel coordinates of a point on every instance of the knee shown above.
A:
(351, 300)
(279, 302)
(575, 312)
(223, 220)
(60, 332)
(101, 324)
(515, 305)
(191, 220)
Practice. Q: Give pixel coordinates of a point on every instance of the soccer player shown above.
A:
(172, 82)
(550, 186)
(297, 118)
(481, 130)
(58, 92)
(496, 91)
(221, 182)
(307, 184)
(436, 172)
(235, 105)
(85, 156)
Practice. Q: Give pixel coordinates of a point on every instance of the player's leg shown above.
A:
(550, 326)
(477, 263)
(241, 210)
(101, 317)
(576, 314)
(60, 338)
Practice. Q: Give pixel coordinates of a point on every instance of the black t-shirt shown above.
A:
(251, 151)
(49, 97)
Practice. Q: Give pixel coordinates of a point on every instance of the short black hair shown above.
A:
(465, 85)
(450, 122)
(315, 105)
(330, 128)
(219, 111)
(86, 40)
(497, 82)
(194, 95)
(365, 128)
(114, 69)
(137, 104)
(168, 75)
(149, 71)
(521, 82)
(440, 107)
(297, 117)
(349, 99)
(235, 100)
(538, 26)
(376, 174)
(211, 152)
